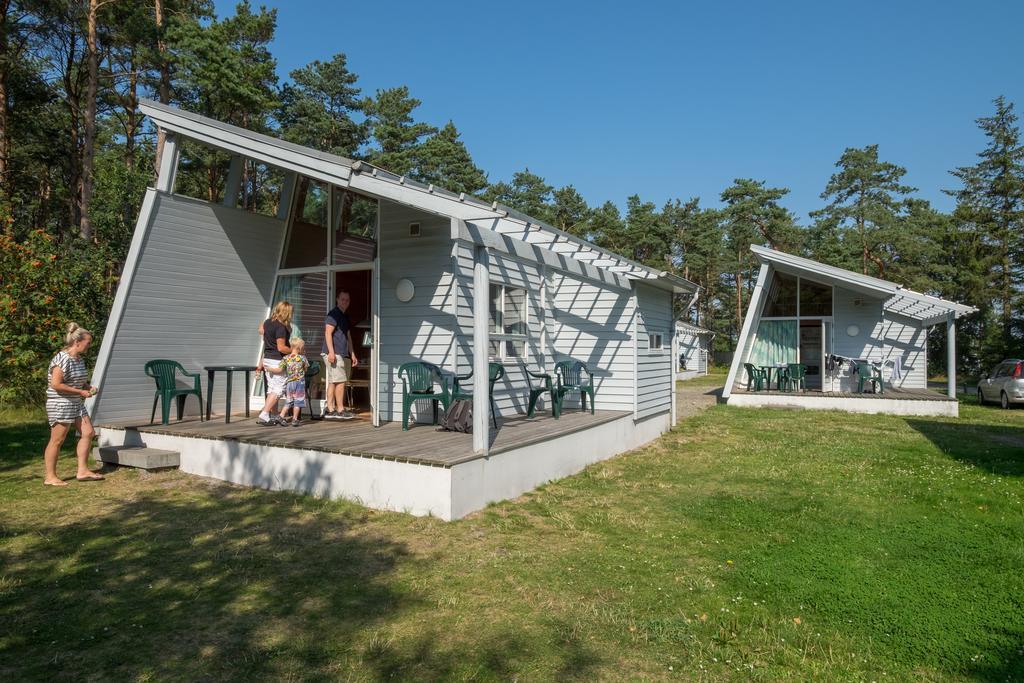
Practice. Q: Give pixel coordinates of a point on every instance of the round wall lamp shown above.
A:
(852, 331)
(405, 290)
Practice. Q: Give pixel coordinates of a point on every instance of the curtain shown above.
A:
(776, 342)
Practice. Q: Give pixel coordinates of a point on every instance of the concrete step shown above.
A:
(137, 456)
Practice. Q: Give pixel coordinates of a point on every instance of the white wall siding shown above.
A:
(594, 324)
(203, 284)
(879, 337)
(654, 366)
(693, 347)
(422, 329)
(906, 339)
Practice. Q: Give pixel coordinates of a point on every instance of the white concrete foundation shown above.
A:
(872, 405)
(386, 484)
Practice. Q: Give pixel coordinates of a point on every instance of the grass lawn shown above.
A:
(746, 544)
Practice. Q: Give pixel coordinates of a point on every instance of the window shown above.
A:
(353, 237)
(781, 297)
(815, 299)
(507, 320)
(654, 341)
(307, 240)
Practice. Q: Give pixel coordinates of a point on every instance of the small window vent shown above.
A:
(414, 230)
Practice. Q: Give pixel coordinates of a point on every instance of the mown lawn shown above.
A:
(746, 544)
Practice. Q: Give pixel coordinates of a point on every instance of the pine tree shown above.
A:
(991, 203)
(569, 211)
(527, 192)
(442, 159)
(753, 216)
(396, 134)
(317, 108)
(865, 198)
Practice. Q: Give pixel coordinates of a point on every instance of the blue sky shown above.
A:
(675, 99)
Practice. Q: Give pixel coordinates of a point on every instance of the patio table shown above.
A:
(211, 370)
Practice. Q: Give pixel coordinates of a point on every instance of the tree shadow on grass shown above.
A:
(229, 585)
(995, 449)
(501, 656)
(185, 583)
(20, 443)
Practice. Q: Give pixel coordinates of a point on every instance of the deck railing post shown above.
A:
(168, 164)
(481, 347)
(951, 355)
(233, 185)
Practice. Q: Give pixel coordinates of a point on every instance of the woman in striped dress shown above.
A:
(65, 405)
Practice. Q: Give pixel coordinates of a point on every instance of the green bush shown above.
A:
(45, 285)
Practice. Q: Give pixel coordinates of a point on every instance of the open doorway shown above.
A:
(811, 351)
(358, 283)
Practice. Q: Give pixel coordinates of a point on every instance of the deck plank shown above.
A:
(421, 444)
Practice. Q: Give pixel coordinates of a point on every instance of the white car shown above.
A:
(1005, 384)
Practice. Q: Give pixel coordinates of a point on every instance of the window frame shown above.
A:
(660, 348)
(504, 337)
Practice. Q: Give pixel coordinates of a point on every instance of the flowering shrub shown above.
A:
(43, 286)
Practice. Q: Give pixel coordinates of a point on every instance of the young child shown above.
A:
(294, 367)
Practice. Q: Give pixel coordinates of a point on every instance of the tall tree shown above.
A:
(570, 211)
(648, 234)
(526, 192)
(753, 215)
(14, 36)
(605, 225)
(442, 159)
(92, 60)
(396, 134)
(226, 72)
(991, 202)
(865, 198)
(317, 107)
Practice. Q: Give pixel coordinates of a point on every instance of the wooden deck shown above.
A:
(422, 444)
(893, 394)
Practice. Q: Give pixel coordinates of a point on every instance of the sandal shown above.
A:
(91, 477)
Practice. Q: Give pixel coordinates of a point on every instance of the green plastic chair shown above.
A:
(569, 380)
(495, 371)
(781, 378)
(165, 373)
(536, 391)
(418, 380)
(755, 377)
(796, 377)
(866, 372)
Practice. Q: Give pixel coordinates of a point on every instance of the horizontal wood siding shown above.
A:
(511, 394)
(906, 339)
(654, 367)
(203, 284)
(879, 337)
(593, 323)
(421, 329)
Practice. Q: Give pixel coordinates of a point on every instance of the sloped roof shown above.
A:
(897, 299)
(372, 179)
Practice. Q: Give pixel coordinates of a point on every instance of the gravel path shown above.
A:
(691, 400)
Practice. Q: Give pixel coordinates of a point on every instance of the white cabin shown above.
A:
(693, 350)
(434, 276)
(831, 320)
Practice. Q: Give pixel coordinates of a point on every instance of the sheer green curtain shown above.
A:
(776, 342)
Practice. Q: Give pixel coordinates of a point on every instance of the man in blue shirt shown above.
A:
(339, 357)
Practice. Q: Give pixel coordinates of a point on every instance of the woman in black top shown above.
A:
(276, 331)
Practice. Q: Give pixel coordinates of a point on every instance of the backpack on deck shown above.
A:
(458, 417)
